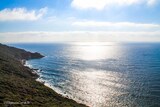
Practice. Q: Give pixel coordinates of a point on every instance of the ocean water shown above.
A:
(101, 74)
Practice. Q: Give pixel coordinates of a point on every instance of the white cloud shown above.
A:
(101, 4)
(120, 25)
(151, 2)
(79, 36)
(21, 14)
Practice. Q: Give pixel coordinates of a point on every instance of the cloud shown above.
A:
(101, 4)
(151, 2)
(21, 14)
(79, 36)
(116, 25)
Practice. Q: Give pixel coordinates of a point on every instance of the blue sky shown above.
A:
(79, 20)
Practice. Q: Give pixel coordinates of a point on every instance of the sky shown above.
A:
(79, 21)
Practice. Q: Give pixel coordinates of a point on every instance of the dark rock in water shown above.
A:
(35, 69)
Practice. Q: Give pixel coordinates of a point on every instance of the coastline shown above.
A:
(47, 84)
(19, 85)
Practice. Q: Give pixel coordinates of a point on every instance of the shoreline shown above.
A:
(45, 83)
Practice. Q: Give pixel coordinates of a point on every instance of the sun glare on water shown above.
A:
(93, 82)
(94, 50)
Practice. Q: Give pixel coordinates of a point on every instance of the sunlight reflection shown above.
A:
(95, 89)
(94, 50)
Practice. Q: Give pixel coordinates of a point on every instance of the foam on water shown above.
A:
(45, 82)
(28, 64)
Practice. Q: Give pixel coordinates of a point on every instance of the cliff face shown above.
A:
(18, 85)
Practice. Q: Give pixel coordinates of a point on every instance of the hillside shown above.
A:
(18, 86)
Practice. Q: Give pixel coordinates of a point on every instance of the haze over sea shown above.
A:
(101, 74)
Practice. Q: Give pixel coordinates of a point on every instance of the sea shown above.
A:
(100, 74)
